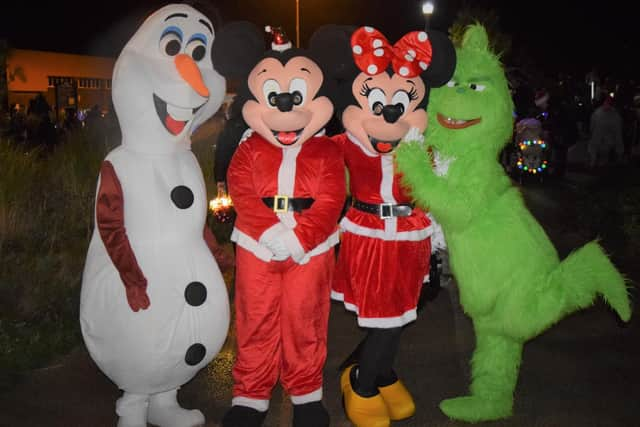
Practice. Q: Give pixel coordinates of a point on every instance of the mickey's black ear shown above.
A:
(443, 60)
(331, 46)
(237, 48)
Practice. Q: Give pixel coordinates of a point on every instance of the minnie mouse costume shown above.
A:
(385, 244)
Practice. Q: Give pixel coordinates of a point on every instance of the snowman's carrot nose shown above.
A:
(190, 72)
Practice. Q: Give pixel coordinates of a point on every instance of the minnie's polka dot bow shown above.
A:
(372, 52)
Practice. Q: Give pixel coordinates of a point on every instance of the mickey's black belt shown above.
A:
(282, 204)
(384, 210)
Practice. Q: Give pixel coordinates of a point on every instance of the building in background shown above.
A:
(70, 83)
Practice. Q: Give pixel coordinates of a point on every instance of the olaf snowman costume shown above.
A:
(154, 308)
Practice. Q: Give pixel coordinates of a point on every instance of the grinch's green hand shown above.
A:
(414, 162)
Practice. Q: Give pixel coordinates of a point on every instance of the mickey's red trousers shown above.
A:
(282, 315)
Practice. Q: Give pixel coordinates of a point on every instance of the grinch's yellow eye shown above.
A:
(477, 87)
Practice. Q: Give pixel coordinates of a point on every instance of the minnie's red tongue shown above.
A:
(287, 138)
(174, 126)
(383, 147)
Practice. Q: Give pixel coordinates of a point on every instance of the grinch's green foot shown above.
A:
(617, 297)
(476, 408)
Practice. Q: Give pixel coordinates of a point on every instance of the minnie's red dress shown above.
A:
(382, 263)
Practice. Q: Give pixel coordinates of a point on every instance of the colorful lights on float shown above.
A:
(524, 145)
(529, 142)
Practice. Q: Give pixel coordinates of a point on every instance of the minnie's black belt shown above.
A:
(282, 204)
(384, 210)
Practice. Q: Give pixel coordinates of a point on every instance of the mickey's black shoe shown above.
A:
(243, 416)
(312, 414)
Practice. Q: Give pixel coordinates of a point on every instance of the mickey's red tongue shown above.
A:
(287, 138)
(174, 126)
(383, 147)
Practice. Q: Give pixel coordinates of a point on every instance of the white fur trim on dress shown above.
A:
(314, 396)
(413, 235)
(388, 322)
(257, 404)
(377, 322)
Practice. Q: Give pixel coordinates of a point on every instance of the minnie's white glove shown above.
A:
(437, 236)
(414, 135)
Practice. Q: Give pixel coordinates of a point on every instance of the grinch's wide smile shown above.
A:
(172, 117)
(451, 123)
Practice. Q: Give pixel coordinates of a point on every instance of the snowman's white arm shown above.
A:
(110, 223)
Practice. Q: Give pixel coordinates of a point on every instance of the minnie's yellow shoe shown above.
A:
(400, 404)
(363, 411)
(366, 411)
(344, 377)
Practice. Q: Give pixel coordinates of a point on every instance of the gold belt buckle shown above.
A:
(280, 204)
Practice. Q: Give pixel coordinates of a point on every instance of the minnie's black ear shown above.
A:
(331, 46)
(237, 48)
(443, 60)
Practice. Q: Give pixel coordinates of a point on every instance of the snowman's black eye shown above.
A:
(197, 47)
(172, 48)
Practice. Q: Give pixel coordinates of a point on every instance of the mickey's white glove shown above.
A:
(278, 248)
(414, 135)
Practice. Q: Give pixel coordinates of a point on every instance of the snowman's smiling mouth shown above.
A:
(173, 118)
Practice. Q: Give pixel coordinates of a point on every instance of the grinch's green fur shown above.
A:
(511, 281)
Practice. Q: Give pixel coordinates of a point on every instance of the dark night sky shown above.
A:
(569, 35)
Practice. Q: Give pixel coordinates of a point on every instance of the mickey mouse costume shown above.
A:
(287, 183)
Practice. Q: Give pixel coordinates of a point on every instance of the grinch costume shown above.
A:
(489, 231)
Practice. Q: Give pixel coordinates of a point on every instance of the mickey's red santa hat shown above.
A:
(280, 40)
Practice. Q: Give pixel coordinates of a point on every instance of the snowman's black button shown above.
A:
(182, 197)
(195, 354)
(195, 293)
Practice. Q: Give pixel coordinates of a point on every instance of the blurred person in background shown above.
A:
(606, 134)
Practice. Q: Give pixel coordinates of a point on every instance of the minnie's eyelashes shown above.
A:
(413, 94)
(365, 90)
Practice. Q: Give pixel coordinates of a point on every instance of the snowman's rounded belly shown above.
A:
(163, 346)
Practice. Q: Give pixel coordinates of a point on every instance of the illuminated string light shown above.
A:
(220, 203)
(520, 163)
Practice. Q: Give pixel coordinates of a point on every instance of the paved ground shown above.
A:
(584, 371)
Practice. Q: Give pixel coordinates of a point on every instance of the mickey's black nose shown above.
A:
(284, 101)
(392, 113)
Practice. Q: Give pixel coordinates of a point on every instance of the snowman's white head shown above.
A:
(164, 85)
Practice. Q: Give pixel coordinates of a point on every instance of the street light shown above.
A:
(427, 11)
(298, 23)
(427, 8)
